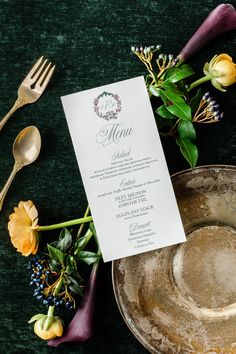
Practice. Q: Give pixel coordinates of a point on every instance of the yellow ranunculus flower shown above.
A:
(55, 329)
(47, 327)
(22, 228)
(222, 71)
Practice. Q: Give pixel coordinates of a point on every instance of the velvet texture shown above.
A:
(89, 41)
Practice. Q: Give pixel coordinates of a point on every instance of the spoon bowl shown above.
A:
(27, 145)
(26, 149)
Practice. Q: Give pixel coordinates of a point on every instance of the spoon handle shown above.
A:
(3, 193)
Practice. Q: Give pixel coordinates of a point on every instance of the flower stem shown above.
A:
(65, 224)
(199, 82)
(51, 310)
(82, 225)
(59, 285)
(88, 236)
(52, 307)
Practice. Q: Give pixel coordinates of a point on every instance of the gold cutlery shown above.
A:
(32, 86)
(26, 148)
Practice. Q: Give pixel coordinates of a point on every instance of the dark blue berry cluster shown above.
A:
(41, 278)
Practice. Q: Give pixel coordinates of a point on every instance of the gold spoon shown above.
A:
(26, 148)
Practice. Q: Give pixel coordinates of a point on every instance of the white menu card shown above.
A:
(123, 168)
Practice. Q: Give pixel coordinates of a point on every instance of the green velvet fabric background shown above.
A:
(90, 43)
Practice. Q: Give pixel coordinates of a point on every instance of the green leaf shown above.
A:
(79, 244)
(175, 104)
(70, 270)
(54, 243)
(170, 86)
(65, 240)
(163, 112)
(183, 89)
(36, 317)
(71, 265)
(77, 276)
(154, 90)
(54, 266)
(176, 74)
(189, 151)
(71, 261)
(87, 257)
(217, 85)
(56, 255)
(186, 130)
(73, 285)
(195, 101)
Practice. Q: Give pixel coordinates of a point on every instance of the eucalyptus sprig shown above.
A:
(176, 101)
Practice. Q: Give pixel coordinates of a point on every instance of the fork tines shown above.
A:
(41, 72)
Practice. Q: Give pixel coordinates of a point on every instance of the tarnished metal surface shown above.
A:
(182, 299)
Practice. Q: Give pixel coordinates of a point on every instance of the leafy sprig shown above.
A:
(64, 258)
(177, 104)
(57, 272)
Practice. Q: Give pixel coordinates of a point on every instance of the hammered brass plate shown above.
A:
(182, 298)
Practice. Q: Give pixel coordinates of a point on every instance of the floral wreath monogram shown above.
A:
(107, 105)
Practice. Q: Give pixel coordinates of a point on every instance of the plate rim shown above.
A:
(132, 329)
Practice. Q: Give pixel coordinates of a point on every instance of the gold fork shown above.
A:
(32, 86)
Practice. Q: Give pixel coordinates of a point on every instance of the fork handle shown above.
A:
(16, 105)
(4, 191)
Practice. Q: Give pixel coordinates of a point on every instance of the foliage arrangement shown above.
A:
(179, 104)
(56, 276)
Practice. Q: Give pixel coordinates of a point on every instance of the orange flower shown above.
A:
(22, 228)
(222, 71)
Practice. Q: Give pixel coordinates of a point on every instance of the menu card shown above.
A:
(123, 168)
